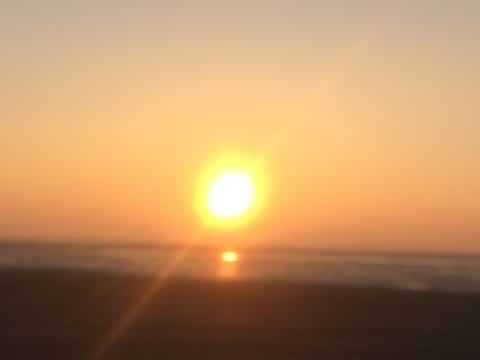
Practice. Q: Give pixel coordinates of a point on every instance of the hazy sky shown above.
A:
(367, 115)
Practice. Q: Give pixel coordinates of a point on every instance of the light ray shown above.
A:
(129, 317)
(340, 70)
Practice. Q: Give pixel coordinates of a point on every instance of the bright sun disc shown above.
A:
(230, 195)
(230, 192)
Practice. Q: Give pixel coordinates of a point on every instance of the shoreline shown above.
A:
(53, 314)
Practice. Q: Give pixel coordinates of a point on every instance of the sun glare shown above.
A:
(230, 195)
(230, 192)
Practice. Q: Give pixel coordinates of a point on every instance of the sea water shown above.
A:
(420, 272)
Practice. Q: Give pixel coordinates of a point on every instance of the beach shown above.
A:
(74, 314)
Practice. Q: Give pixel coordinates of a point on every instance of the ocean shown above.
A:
(418, 272)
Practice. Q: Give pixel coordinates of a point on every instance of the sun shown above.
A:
(231, 194)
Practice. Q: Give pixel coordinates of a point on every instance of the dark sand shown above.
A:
(66, 315)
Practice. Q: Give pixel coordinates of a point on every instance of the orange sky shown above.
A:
(366, 118)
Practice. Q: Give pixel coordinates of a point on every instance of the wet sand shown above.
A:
(68, 315)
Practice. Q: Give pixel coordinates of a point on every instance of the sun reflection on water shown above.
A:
(228, 266)
(229, 256)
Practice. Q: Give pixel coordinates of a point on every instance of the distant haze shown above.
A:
(365, 114)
